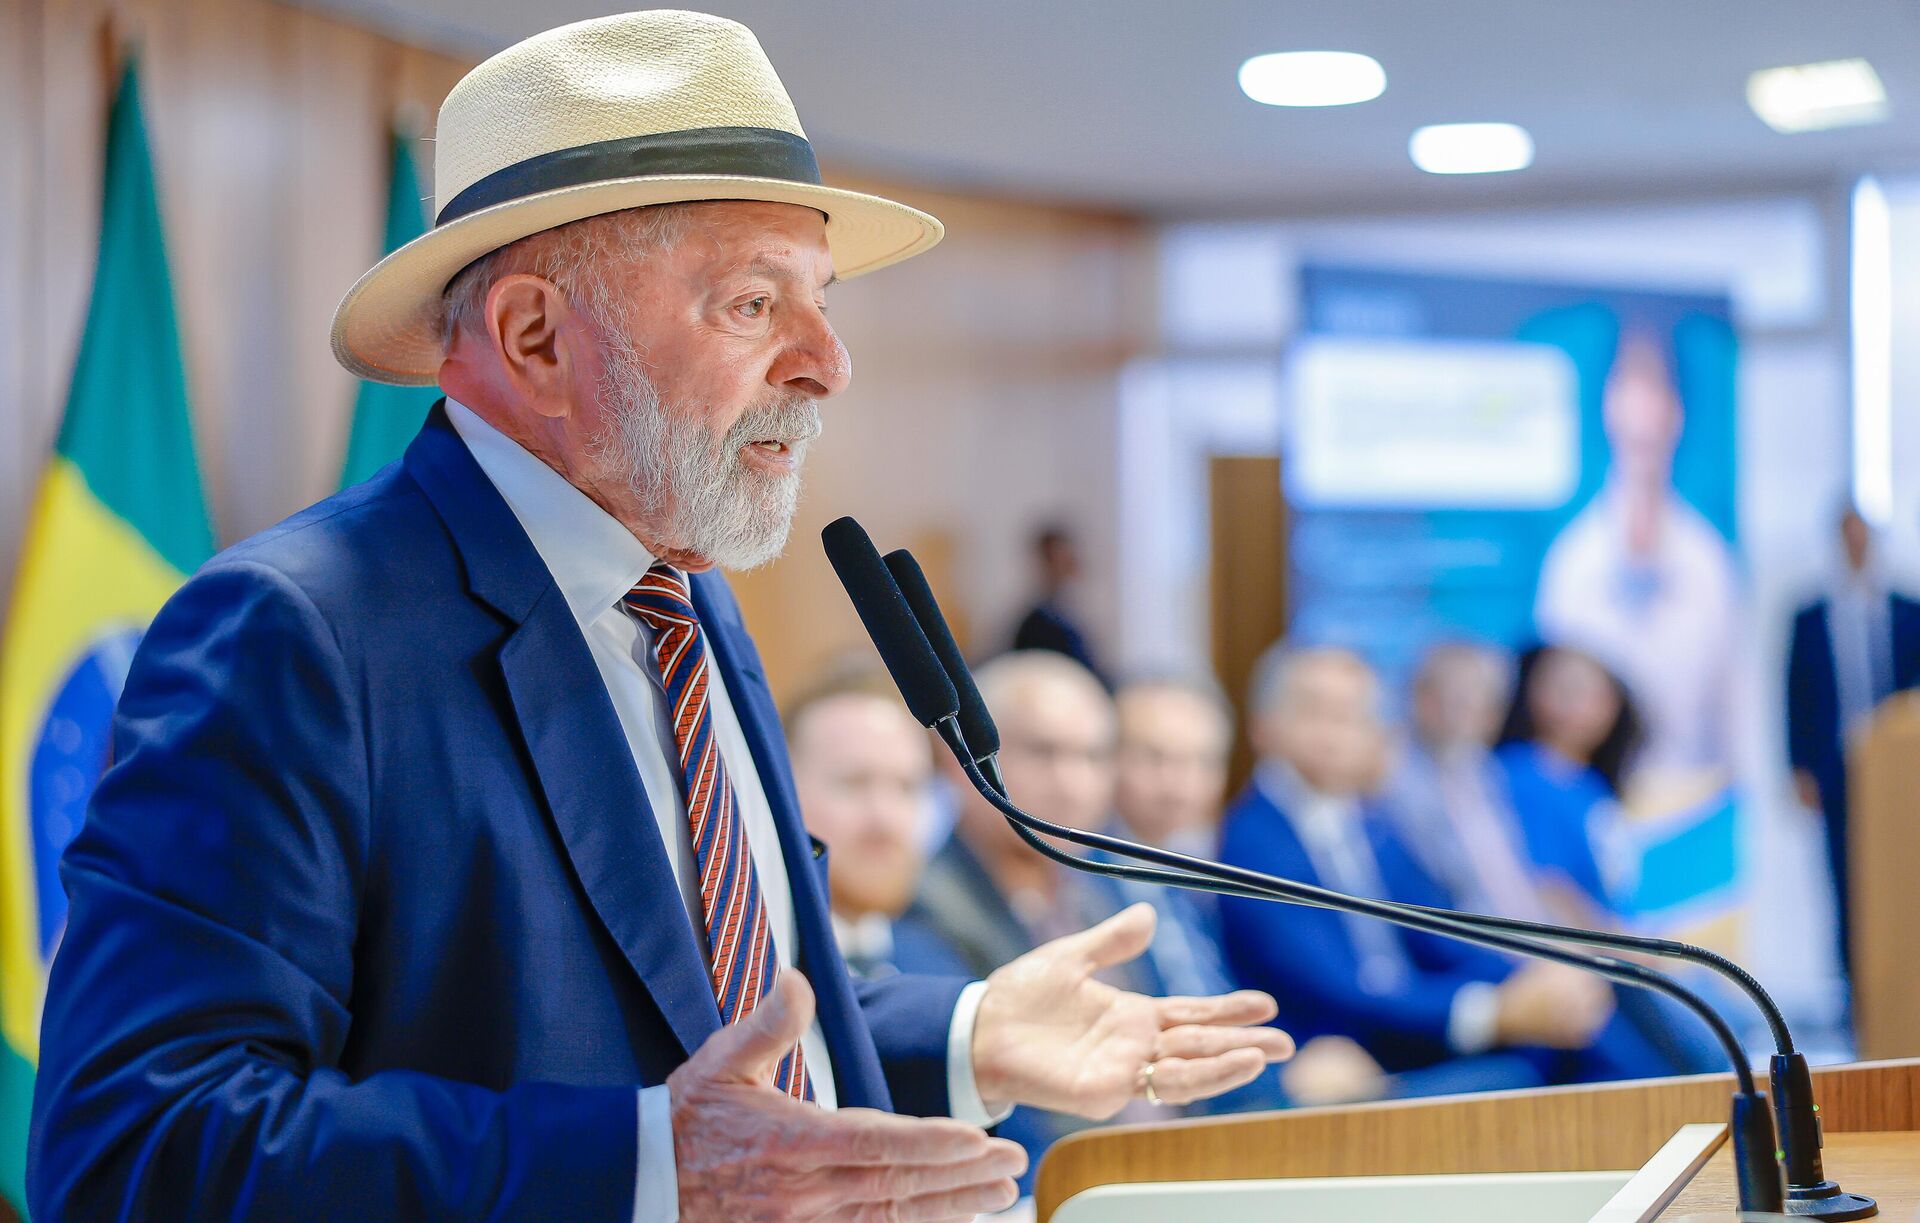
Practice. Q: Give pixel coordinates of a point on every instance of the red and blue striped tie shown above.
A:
(744, 963)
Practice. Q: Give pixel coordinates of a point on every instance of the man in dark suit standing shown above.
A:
(1851, 649)
(450, 866)
(1051, 623)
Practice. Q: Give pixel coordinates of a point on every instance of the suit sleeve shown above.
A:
(911, 1018)
(200, 1003)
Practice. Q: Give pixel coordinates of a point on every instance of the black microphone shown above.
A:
(1796, 1115)
(896, 635)
(976, 724)
(881, 607)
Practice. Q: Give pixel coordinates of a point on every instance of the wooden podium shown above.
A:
(1884, 831)
(1871, 1113)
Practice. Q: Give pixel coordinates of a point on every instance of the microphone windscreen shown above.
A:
(976, 723)
(922, 681)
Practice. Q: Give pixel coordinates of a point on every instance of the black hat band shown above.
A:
(738, 152)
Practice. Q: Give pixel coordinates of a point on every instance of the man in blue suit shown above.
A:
(450, 866)
(1462, 1017)
(1850, 650)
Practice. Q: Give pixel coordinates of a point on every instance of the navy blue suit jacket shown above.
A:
(1814, 739)
(1307, 960)
(371, 919)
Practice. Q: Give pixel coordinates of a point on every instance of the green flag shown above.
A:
(385, 418)
(118, 523)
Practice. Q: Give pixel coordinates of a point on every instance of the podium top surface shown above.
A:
(1564, 1129)
(1883, 1166)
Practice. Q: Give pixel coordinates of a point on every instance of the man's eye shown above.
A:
(755, 307)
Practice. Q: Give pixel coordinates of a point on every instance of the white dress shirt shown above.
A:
(595, 561)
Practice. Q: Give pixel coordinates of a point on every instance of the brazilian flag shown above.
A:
(385, 418)
(118, 524)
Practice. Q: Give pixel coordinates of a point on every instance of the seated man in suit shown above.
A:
(1170, 776)
(449, 865)
(1467, 1018)
(1850, 649)
(987, 894)
(861, 770)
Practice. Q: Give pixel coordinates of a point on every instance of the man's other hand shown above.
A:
(745, 1151)
(1052, 1036)
(1552, 1005)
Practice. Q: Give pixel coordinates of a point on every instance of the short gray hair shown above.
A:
(1196, 684)
(1004, 680)
(1273, 674)
(575, 257)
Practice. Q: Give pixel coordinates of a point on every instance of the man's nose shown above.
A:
(814, 360)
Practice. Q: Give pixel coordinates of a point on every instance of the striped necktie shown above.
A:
(743, 962)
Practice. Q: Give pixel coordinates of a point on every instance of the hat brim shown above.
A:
(387, 328)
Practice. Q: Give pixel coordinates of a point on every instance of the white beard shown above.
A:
(717, 506)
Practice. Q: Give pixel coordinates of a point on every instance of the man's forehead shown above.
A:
(752, 237)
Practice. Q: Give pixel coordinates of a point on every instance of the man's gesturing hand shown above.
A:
(745, 1151)
(1050, 1035)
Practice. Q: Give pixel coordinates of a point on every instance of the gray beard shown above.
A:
(707, 499)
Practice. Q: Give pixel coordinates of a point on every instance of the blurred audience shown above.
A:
(1452, 800)
(1851, 649)
(862, 768)
(987, 895)
(1463, 1018)
(1051, 625)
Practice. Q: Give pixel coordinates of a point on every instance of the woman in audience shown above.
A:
(1568, 739)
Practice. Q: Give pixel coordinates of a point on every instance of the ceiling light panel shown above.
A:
(1471, 148)
(1312, 78)
(1812, 97)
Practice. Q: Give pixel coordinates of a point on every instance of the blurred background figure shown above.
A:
(1171, 766)
(1052, 624)
(1850, 649)
(1447, 796)
(1566, 744)
(1466, 1019)
(862, 769)
(1642, 579)
(987, 897)
(1171, 774)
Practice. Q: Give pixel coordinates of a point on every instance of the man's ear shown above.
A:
(525, 318)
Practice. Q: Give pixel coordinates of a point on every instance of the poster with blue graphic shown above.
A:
(1519, 462)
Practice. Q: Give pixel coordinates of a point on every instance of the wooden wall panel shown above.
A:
(986, 372)
(22, 433)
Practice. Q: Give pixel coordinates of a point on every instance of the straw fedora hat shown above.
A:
(618, 112)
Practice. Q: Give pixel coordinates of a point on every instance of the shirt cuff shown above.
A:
(656, 1188)
(1473, 1020)
(963, 1095)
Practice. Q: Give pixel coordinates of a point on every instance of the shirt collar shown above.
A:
(1315, 817)
(593, 558)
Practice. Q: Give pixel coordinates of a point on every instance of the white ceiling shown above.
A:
(1133, 105)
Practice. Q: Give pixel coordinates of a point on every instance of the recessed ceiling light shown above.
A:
(1809, 97)
(1312, 78)
(1471, 148)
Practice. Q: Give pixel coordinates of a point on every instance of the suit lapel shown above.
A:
(856, 1065)
(580, 753)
